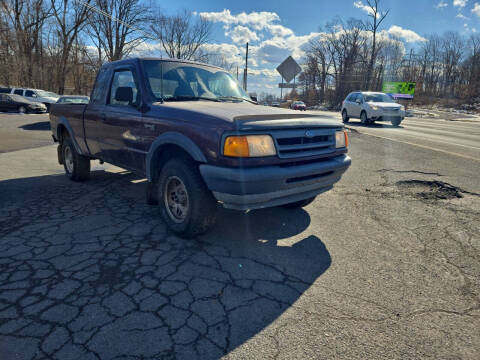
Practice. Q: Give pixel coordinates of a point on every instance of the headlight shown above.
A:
(249, 146)
(341, 139)
(375, 107)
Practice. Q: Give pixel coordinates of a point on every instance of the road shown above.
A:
(384, 266)
(459, 137)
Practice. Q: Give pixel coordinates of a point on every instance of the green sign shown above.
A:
(399, 89)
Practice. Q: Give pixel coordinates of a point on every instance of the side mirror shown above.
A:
(358, 101)
(34, 95)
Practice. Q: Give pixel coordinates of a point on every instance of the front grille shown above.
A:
(304, 142)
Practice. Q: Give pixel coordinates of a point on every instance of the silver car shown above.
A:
(372, 106)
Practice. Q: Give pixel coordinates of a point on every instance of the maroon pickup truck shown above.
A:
(199, 140)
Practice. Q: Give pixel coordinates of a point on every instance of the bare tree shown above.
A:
(70, 16)
(25, 19)
(376, 19)
(181, 35)
(117, 27)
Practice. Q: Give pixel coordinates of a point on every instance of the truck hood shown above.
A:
(248, 116)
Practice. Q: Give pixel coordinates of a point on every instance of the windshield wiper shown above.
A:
(235, 98)
(188, 98)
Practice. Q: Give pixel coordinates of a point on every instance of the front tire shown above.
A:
(299, 204)
(22, 110)
(77, 167)
(345, 117)
(396, 121)
(187, 206)
(364, 118)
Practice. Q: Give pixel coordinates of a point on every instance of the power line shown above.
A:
(101, 12)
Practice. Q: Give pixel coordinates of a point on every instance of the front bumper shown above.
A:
(377, 114)
(267, 186)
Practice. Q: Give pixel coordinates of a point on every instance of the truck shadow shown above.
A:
(38, 126)
(90, 269)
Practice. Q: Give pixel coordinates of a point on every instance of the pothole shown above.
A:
(429, 190)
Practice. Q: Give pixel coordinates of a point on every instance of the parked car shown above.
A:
(298, 105)
(45, 97)
(370, 107)
(17, 103)
(275, 104)
(200, 141)
(73, 99)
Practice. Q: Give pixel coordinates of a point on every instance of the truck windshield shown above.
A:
(172, 81)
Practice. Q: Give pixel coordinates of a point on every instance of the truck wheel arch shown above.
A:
(171, 138)
(64, 126)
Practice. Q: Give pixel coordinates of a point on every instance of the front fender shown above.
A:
(173, 138)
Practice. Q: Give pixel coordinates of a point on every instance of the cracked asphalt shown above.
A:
(384, 266)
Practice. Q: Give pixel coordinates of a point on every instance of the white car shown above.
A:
(45, 97)
(372, 106)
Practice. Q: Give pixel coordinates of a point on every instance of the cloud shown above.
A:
(231, 52)
(441, 4)
(461, 16)
(365, 8)
(241, 35)
(476, 9)
(408, 35)
(460, 3)
(257, 20)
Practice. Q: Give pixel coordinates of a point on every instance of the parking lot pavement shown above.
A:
(23, 131)
(384, 266)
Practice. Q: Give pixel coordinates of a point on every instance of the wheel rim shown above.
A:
(176, 200)
(21, 110)
(344, 115)
(68, 159)
(364, 118)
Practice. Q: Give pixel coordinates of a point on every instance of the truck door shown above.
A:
(121, 124)
(95, 111)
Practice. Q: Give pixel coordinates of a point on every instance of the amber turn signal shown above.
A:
(236, 146)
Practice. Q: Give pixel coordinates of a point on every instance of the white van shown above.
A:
(42, 96)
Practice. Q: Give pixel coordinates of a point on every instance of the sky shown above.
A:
(277, 29)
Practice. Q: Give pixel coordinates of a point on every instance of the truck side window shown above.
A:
(124, 89)
(29, 93)
(98, 93)
(18, 92)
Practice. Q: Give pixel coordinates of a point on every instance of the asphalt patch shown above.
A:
(430, 190)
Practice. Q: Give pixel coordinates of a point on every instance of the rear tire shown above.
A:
(187, 206)
(77, 167)
(396, 121)
(345, 117)
(299, 204)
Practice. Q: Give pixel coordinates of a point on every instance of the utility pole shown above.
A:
(246, 70)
